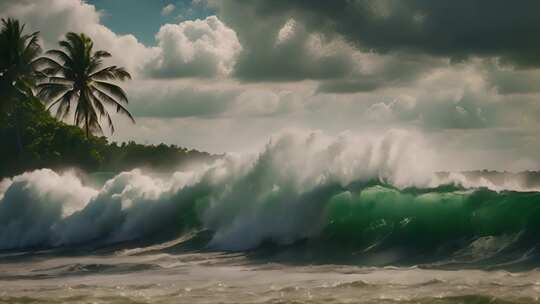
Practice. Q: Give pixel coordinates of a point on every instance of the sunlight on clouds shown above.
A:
(202, 48)
(253, 71)
(168, 9)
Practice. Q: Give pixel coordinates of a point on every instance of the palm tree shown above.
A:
(76, 76)
(18, 70)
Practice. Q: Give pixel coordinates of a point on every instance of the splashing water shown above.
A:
(306, 198)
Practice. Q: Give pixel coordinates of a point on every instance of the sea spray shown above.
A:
(33, 203)
(357, 195)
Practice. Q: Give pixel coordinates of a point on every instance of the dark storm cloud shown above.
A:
(455, 29)
(267, 58)
(399, 70)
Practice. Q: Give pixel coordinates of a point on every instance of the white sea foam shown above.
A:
(278, 194)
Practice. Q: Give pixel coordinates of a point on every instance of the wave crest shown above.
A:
(360, 194)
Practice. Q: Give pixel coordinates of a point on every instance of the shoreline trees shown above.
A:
(75, 76)
(72, 79)
(18, 72)
(69, 78)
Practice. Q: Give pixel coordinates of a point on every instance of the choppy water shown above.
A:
(216, 277)
(305, 221)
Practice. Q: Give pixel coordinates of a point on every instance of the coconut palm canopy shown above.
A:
(78, 83)
(18, 52)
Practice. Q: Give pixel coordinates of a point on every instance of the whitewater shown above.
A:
(309, 219)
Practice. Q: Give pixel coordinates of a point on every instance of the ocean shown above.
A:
(304, 221)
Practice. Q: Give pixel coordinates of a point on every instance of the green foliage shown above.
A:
(31, 138)
(18, 52)
(48, 143)
(45, 141)
(76, 77)
(156, 157)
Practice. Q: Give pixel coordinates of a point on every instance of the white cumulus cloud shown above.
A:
(201, 48)
(54, 18)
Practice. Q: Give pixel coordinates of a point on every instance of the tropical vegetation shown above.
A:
(73, 83)
(18, 52)
(75, 73)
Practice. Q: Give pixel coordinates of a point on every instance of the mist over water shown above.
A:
(301, 186)
(306, 198)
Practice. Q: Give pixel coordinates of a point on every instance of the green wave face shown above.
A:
(428, 217)
(267, 217)
(379, 224)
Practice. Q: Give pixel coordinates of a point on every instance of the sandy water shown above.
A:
(133, 276)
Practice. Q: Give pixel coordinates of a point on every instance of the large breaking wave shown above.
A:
(338, 195)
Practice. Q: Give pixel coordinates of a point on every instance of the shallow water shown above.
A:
(217, 277)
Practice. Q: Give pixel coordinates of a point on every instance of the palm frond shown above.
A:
(64, 108)
(112, 90)
(60, 55)
(101, 54)
(64, 105)
(111, 73)
(50, 90)
(113, 102)
(75, 75)
(47, 63)
(17, 52)
(93, 65)
(102, 111)
(60, 80)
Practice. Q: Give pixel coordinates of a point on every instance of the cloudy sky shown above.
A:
(223, 75)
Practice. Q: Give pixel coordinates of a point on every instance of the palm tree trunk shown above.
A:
(86, 126)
